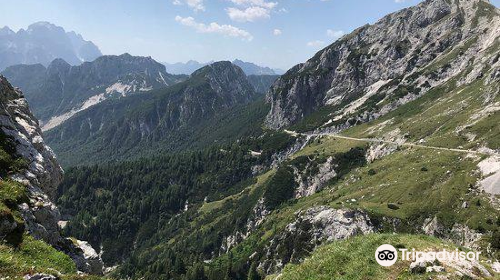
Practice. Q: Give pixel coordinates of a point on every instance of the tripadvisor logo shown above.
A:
(387, 255)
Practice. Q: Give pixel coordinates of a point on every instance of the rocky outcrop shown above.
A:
(41, 176)
(310, 229)
(40, 276)
(458, 234)
(311, 182)
(378, 67)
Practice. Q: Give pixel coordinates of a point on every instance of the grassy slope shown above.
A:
(353, 259)
(21, 254)
(422, 183)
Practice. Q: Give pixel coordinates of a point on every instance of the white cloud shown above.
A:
(224, 29)
(196, 5)
(250, 10)
(335, 34)
(315, 44)
(277, 32)
(248, 14)
(258, 3)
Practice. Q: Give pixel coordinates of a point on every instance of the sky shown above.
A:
(274, 33)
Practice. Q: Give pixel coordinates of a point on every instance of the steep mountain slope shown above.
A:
(59, 91)
(28, 219)
(161, 120)
(379, 67)
(417, 154)
(262, 83)
(307, 191)
(43, 42)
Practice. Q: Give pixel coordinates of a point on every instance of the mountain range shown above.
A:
(248, 67)
(160, 120)
(389, 135)
(43, 42)
(59, 91)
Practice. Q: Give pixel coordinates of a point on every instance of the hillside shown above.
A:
(393, 129)
(206, 108)
(330, 261)
(60, 91)
(31, 244)
(43, 42)
(425, 46)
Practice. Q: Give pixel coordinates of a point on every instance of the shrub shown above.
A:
(392, 206)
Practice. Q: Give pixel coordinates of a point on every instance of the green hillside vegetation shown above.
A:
(21, 254)
(353, 259)
(408, 186)
(186, 116)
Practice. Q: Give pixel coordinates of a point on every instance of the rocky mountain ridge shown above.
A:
(425, 46)
(164, 116)
(40, 176)
(58, 92)
(42, 42)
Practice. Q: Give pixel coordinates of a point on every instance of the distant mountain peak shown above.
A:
(190, 66)
(42, 42)
(6, 31)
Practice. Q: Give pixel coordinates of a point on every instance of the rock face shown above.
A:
(41, 176)
(262, 83)
(381, 66)
(313, 183)
(311, 228)
(458, 234)
(43, 42)
(58, 92)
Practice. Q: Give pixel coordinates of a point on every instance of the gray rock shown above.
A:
(41, 277)
(419, 267)
(41, 178)
(310, 229)
(435, 268)
(309, 185)
(354, 68)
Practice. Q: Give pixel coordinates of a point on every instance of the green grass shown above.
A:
(34, 256)
(354, 259)
(31, 257)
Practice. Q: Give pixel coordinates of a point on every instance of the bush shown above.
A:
(495, 240)
(392, 206)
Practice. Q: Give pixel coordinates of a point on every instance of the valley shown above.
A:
(118, 169)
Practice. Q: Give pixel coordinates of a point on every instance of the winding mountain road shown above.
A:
(375, 140)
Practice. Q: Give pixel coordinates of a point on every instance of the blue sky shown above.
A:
(276, 33)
